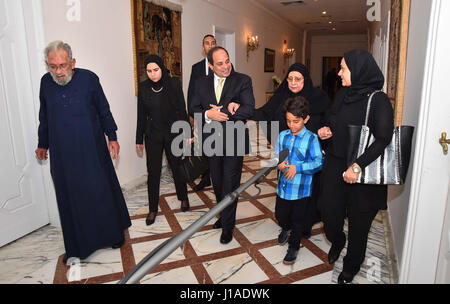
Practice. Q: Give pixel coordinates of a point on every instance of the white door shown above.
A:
(226, 39)
(427, 224)
(23, 206)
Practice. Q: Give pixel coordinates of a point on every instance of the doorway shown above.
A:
(226, 39)
(330, 80)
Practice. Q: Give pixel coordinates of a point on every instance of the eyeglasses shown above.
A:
(295, 79)
(55, 67)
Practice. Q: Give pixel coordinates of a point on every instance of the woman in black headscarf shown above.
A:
(297, 82)
(160, 104)
(340, 196)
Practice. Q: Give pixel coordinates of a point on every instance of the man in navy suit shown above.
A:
(200, 70)
(226, 152)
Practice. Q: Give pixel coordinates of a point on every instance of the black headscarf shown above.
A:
(272, 110)
(171, 105)
(165, 75)
(366, 76)
(317, 102)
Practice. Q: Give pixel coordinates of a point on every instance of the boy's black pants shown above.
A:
(291, 215)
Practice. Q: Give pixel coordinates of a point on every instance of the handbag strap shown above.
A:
(368, 106)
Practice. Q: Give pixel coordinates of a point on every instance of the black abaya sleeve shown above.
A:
(106, 118)
(381, 124)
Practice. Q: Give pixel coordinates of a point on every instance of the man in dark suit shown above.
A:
(200, 70)
(230, 137)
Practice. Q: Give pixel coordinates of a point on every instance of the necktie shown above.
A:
(219, 90)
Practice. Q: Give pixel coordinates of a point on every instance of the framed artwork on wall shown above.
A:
(269, 60)
(398, 39)
(156, 29)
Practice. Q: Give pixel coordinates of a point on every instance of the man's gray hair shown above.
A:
(58, 45)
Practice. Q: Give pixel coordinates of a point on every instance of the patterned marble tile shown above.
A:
(101, 262)
(207, 242)
(140, 229)
(260, 231)
(141, 250)
(43, 275)
(246, 210)
(174, 203)
(30, 253)
(234, 270)
(321, 241)
(182, 275)
(269, 202)
(265, 189)
(185, 219)
(276, 254)
(323, 278)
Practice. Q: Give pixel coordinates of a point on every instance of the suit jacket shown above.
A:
(176, 108)
(237, 88)
(198, 71)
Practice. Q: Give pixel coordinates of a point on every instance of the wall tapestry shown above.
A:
(156, 30)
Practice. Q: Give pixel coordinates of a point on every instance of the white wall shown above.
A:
(102, 42)
(332, 46)
(244, 18)
(398, 202)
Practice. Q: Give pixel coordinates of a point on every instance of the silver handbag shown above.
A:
(391, 167)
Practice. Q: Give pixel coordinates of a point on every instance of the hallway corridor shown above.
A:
(253, 256)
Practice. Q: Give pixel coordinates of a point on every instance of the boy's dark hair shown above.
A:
(297, 106)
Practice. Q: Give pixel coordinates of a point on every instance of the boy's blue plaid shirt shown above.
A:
(306, 154)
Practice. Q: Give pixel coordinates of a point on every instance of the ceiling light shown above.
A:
(324, 12)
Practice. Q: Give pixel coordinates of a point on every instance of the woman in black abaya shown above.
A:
(341, 197)
(160, 104)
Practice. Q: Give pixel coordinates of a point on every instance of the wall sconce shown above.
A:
(252, 44)
(288, 53)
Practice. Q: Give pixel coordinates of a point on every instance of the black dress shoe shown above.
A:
(184, 205)
(334, 253)
(119, 244)
(150, 218)
(345, 278)
(227, 236)
(205, 182)
(218, 224)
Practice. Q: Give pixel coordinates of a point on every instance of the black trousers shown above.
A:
(226, 174)
(154, 147)
(339, 200)
(292, 215)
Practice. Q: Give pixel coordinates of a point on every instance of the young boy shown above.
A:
(295, 174)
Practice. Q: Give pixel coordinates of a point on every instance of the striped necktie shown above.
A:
(219, 90)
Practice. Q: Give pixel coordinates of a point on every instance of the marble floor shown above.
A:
(253, 256)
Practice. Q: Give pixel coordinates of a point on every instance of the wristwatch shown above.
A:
(356, 169)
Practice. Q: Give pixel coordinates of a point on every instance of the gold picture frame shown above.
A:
(156, 29)
(269, 60)
(398, 41)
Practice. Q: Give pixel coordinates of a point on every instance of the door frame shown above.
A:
(425, 215)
